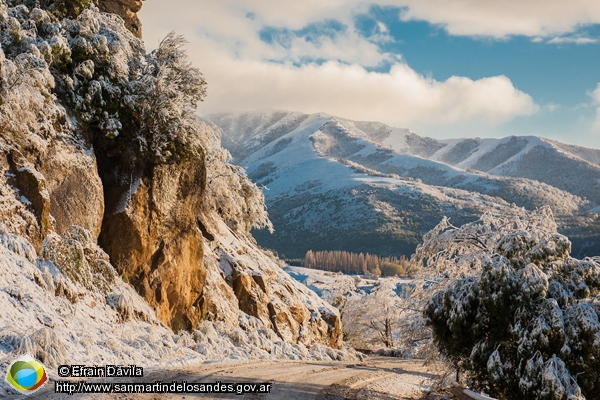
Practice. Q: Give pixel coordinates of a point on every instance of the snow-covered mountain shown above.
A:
(571, 168)
(333, 183)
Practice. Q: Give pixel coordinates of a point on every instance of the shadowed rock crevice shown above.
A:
(205, 233)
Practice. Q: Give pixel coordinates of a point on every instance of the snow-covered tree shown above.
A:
(372, 319)
(53, 67)
(516, 313)
(59, 8)
(27, 101)
(229, 191)
(66, 68)
(137, 107)
(164, 99)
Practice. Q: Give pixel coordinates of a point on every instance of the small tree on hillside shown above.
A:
(372, 319)
(165, 99)
(518, 314)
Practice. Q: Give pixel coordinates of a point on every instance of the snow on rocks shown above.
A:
(57, 319)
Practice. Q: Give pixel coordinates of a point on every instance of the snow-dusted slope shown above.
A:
(574, 169)
(570, 168)
(62, 319)
(333, 183)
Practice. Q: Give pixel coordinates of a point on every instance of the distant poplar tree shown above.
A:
(353, 263)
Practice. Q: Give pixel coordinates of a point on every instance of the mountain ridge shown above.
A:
(316, 166)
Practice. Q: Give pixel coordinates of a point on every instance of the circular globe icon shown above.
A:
(26, 375)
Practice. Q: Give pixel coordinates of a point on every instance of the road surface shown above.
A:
(375, 378)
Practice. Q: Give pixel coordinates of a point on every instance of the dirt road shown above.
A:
(375, 378)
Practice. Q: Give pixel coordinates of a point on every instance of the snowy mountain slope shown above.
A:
(574, 169)
(570, 168)
(333, 183)
(253, 131)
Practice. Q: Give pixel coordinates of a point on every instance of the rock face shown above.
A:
(189, 266)
(250, 282)
(24, 202)
(156, 228)
(126, 9)
(74, 187)
(151, 234)
(50, 189)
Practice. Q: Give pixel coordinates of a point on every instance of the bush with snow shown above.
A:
(229, 191)
(373, 319)
(517, 313)
(137, 106)
(388, 318)
(66, 68)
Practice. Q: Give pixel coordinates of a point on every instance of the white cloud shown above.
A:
(574, 40)
(246, 73)
(400, 98)
(348, 47)
(382, 27)
(595, 95)
(236, 25)
(462, 17)
(506, 17)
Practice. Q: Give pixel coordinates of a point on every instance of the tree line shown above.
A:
(353, 263)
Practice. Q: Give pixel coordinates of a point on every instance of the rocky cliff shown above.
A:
(190, 266)
(72, 176)
(179, 256)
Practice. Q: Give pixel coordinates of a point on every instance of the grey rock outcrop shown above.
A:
(74, 187)
(49, 189)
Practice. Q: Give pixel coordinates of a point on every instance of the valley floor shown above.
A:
(374, 378)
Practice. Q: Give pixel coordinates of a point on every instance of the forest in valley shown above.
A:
(353, 263)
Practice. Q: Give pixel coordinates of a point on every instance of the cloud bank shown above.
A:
(308, 56)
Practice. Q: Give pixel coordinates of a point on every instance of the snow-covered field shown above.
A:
(328, 285)
(373, 310)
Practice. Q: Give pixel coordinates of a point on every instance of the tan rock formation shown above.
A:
(126, 9)
(189, 266)
(151, 234)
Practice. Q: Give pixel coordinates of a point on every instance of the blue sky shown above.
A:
(438, 67)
